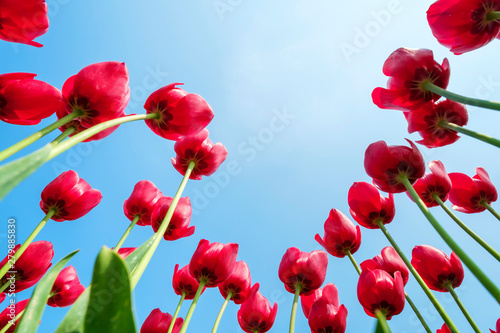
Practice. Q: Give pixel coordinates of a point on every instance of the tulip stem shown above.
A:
(219, 316)
(462, 307)
(203, 281)
(37, 135)
(4, 286)
(417, 313)
(478, 273)
(353, 261)
(419, 279)
(67, 132)
(383, 321)
(457, 128)
(294, 307)
(490, 209)
(491, 16)
(462, 225)
(126, 233)
(10, 322)
(176, 313)
(12, 261)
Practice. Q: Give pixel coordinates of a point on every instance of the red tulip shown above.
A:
(239, 283)
(70, 196)
(325, 317)
(2, 297)
(497, 327)
(184, 282)
(426, 120)
(142, 201)
(437, 182)
(340, 235)
(23, 22)
(436, 268)
(467, 195)
(389, 261)
(66, 289)
(328, 293)
(367, 205)
(159, 322)
(463, 26)
(181, 113)
(198, 148)
(378, 290)
(10, 312)
(213, 262)
(443, 329)
(30, 267)
(255, 314)
(385, 164)
(179, 224)
(303, 269)
(25, 101)
(101, 91)
(124, 252)
(407, 70)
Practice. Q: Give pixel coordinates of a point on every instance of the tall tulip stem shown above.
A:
(126, 233)
(176, 313)
(294, 308)
(6, 284)
(9, 323)
(353, 261)
(219, 316)
(462, 308)
(70, 130)
(193, 306)
(383, 321)
(490, 209)
(473, 134)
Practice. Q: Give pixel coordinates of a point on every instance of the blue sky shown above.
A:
(290, 84)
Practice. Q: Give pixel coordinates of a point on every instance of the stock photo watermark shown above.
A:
(223, 7)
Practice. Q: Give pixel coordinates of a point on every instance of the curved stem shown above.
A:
(417, 313)
(462, 225)
(294, 308)
(193, 306)
(67, 132)
(126, 233)
(9, 323)
(219, 316)
(462, 307)
(468, 132)
(176, 313)
(353, 261)
(383, 321)
(490, 209)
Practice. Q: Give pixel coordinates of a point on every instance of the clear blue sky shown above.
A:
(290, 84)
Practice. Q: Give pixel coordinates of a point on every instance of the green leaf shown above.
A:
(33, 312)
(110, 301)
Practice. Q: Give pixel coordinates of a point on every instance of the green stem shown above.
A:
(478, 273)
(468, 132)
(429, 86)
(5, 286)
(25, 245)
(219, 316)
(16, 318)
(353, 261)
(462, 307)
(193, 306)
(294, 308)
(419, 279)
(383, 321)
(462, 225)
(141, 266)
(176, 313)
(37, 135)
(417, 313)
(491, 16)
(490, 209)
(67, 132)
(126, 233)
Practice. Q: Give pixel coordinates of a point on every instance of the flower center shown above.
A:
(483, 22)
(3, 102)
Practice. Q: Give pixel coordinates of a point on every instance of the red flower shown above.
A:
(179, 224)
(5, 316)
(468, 194)
(239, 283)
(184, 282)
(389, 261)
(101, 91)
(367, 205)
(407, 70)
(124, 252)
(21, 22)
(378, 290)
(443, 329)
(386, 163)
(340, 235)
(30, 267)
(25, 101)
(426, 120)
(70, 196)
(198, 148)
(328, 293)
(159, 322)
(497, 327)
(2, 297)
(142, 201)
(325, 317)
(436, 268)
(463, 26)
(255, 314)
(303, 269)
(213, 262)
(181, 113)
(66, 289)
(438, 182)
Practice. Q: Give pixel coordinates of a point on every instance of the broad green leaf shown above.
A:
(33, 312)
(110, 303)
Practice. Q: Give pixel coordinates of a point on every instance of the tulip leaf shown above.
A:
(33, 312)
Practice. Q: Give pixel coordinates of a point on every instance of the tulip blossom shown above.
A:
(66, 288)
(199, 149)
(183, 282)
(463, 26)
(25, 101)
(497, 327)
(389, 261)
(141, 202)
(340, 235)
(367, 205)
(325, 317)
(69, 196)
(328, 293)
(255, 314)
(436, 268)
(23, 22)
(468, 194)
(239, 283)
(181, 113)
(124, 252)
(435, 183)
(159, 322)
(428, 119)
(2, 297)
(213, 262)
(407, 70)
(378, 290)
(443, 329)
(387, 164)
(179, 224)
(5, 316)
